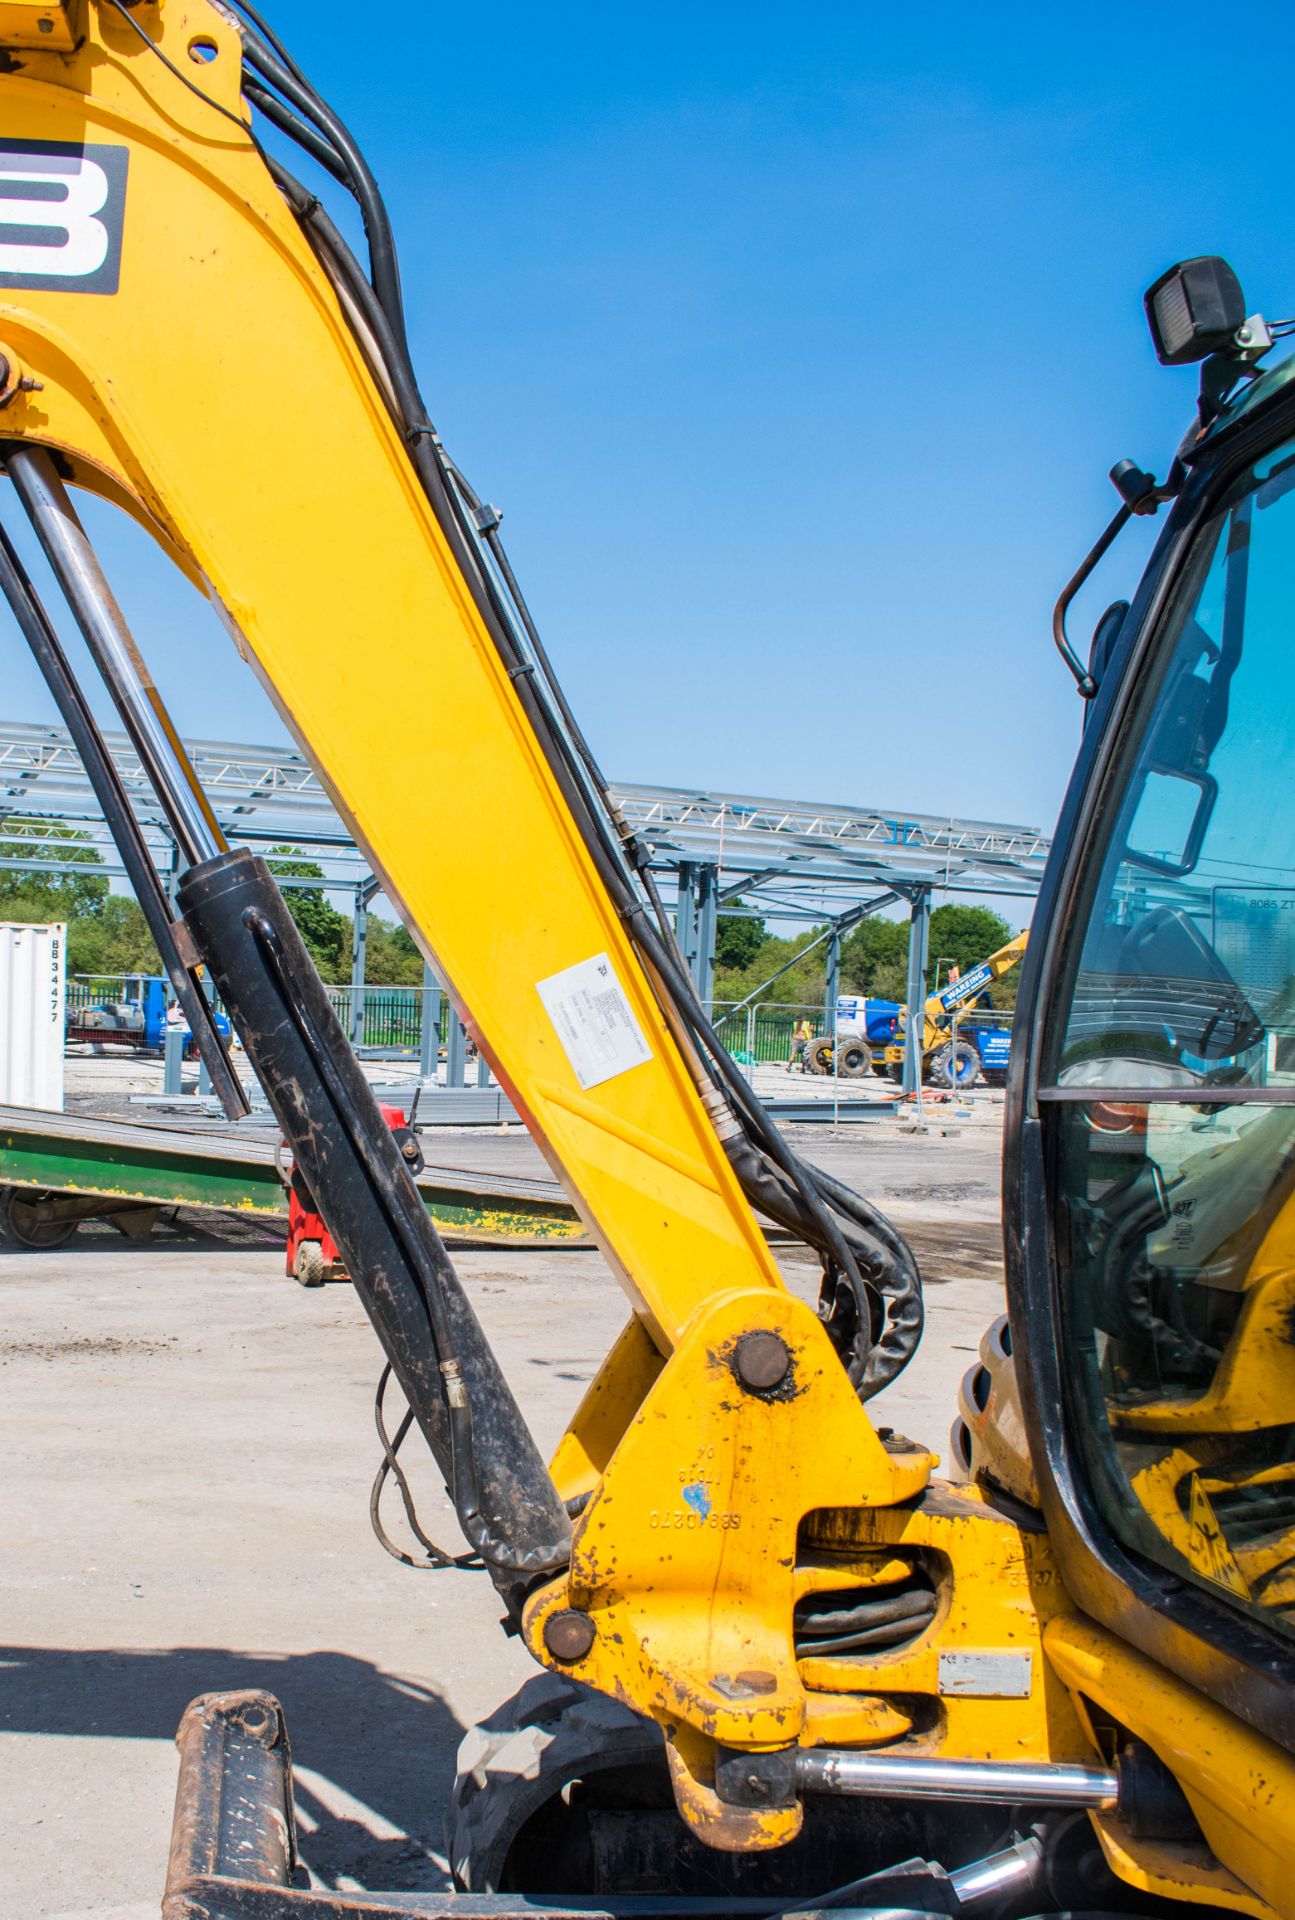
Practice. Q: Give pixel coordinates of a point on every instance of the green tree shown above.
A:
(390, 957)
(874, 958)
(116, 939)
(33, 896)
(325, 931)
(739, 939)
(802, 985)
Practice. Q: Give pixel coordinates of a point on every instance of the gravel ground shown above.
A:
(190, 1442)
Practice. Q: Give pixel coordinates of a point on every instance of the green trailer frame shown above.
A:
(59, 1169)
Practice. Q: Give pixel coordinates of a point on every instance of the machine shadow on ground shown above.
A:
(379, 1739)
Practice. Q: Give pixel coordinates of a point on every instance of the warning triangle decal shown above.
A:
(1208, 1551)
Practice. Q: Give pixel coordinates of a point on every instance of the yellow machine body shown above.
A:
(216, 391)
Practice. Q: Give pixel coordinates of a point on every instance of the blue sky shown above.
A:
(796, 345)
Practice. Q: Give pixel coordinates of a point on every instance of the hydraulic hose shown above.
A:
(775, 1180)
(297, 129)
(358, 178)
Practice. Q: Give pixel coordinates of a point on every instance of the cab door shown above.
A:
(1150, 1167)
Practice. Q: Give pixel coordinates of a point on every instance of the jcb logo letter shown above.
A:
(61, 215)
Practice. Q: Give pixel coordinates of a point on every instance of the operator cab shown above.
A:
(1154, 1111)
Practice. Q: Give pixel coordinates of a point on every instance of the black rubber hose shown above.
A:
(884, 1611)
(270, 38)
(361, 182)
(890, 1306)
(436, 476)
(500, 555)
(684, 995)
(297, 129)
(890, 1633)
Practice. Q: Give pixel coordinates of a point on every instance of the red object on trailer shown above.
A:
(312, 1255)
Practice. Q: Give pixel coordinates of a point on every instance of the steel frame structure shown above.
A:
(792, 861)
(801, 855)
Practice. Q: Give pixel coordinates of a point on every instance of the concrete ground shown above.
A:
(106, 1077)
(189, 1439)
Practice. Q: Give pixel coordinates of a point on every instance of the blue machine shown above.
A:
(141, 1013)
(993, 1044)
(153, 1003)
(877, 1019)
(879, 1022)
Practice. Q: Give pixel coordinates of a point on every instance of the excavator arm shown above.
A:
(185, 334)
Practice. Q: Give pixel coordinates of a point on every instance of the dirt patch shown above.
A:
(941, 1190)
(83, 1347)
(956, 1250)
(947, 1251)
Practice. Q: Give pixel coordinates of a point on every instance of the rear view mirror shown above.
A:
(1170, 819)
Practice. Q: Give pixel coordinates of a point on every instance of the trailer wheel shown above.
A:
(26, 1221)
(955, 1065)
(308, 1267)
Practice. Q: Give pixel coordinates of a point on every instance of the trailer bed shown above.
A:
(133, 1167)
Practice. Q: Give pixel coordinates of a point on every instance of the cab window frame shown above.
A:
(1229, 1656)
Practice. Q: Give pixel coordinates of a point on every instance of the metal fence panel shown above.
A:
(760, 1034)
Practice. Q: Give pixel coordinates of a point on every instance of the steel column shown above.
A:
(832, 990)
(685, 915)
(430, 1027)
(364, 892)
(919, 940)
(704, 962)
(456, 1052)
(359, 943)
(173, 1060)
(696, 905)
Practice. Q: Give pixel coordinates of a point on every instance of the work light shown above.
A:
(1194, 309)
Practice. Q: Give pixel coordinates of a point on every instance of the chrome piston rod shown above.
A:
(990, 1882)
(75, 566)
(999, 1876)
(820, 1770)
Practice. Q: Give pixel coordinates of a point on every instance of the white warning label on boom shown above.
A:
(594, 1020)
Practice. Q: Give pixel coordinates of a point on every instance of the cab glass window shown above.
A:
(1169, 1088)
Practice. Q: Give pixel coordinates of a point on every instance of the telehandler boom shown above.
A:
(784, 1664)
(947, 1060)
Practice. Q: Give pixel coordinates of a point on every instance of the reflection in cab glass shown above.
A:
(1171, 1077)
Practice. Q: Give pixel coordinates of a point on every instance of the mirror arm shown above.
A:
(1140, 494)
(1083, 679)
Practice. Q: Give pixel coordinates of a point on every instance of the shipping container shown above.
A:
(33, 965)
